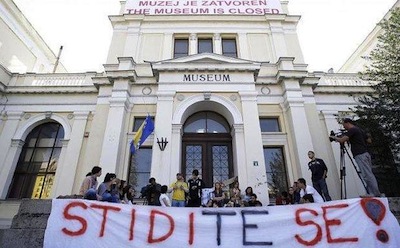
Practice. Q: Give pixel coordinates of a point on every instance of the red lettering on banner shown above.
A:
(318, 236)
(132, 226)
(75, 217)
(150, 238)
(335, 222)
(105, 211)
(191, 228)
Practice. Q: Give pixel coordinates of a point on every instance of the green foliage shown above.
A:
(382, 106)
(379, 110)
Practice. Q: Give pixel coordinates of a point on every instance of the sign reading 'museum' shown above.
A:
(206, 78)
(365, 222)
(203, 7)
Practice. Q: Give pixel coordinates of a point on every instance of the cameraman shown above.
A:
(358, 139)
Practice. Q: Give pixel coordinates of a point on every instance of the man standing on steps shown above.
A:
(178, 189)
(195, 190)
(318, 175)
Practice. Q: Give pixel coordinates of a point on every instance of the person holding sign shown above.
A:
(178, 189)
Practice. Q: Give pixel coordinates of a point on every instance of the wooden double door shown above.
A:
(211, 154)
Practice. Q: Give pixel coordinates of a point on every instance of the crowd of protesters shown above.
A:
(192, 193)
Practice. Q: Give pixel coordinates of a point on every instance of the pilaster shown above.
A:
(111, 157)
(11, 123)
(66, 171)
(163, 128)
(254, 161)
(192, 44)
(9, 165)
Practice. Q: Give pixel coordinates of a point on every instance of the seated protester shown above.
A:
(127, 194)
(254, 202)
(307, 189)
(307, 198)
(89, 184)
(218, 195)
(164, 199)
(283, 199)
(247, 194)
(105, 188)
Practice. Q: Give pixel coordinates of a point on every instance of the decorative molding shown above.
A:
(180, 97)
(17, 143)
(265, 90)
(146, 90)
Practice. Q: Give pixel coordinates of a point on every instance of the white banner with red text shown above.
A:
(203, 7)
(365, 222)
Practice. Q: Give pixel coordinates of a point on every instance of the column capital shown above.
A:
(248, 95)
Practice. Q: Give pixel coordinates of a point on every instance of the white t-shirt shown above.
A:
(167, 200)
(311, 190)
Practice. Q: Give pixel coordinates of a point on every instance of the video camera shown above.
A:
(338, 134)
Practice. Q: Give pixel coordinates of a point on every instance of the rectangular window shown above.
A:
(205, 45)
(229, 47)
(276, 171)
(269, 124)
(139, 169)
(138, 122)
(181, 48)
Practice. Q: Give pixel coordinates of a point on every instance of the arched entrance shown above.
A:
(207, 146)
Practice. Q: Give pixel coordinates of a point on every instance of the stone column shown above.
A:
(67, 168)
(163, 128)
(132, 42)
(239, 155)
(110, 158)
(9, 165)
(192, 44)
(217, 46)
(168, 45)
(253, 146)
(243, 50)
(278, 38)
(294, 109)
(10, 127)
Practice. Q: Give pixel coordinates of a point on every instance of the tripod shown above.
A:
(343, 191)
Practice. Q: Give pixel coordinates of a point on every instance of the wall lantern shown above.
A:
(162, 143)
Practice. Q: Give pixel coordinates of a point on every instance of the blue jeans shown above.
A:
(322, 189)
(365, 165)
(91, 194)
(176, 203)
(108, 197)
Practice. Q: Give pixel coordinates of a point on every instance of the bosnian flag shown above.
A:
(142, 133)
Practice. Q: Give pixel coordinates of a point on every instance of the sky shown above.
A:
(329, 30)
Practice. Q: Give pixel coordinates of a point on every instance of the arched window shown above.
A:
(34, 175)
(206, 122)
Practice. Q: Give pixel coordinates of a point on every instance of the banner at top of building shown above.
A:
(203, 7)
